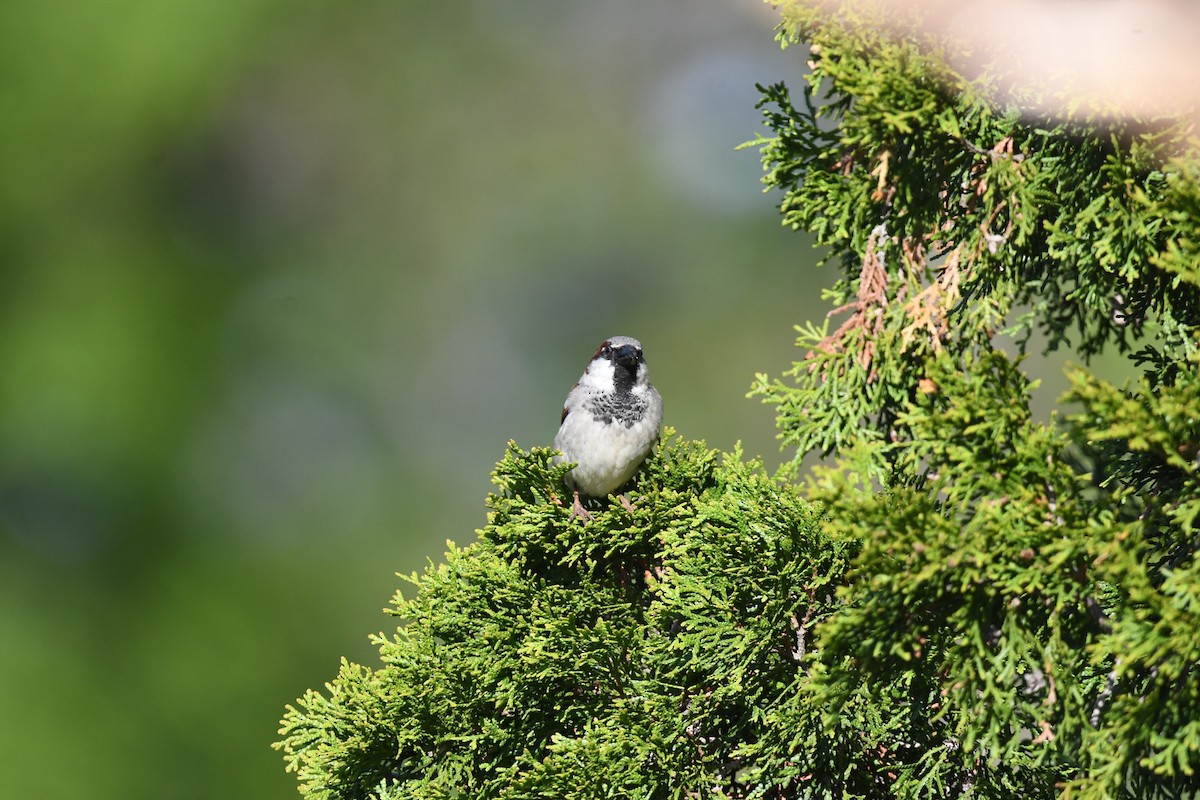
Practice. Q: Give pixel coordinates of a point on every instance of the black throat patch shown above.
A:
(624, 376)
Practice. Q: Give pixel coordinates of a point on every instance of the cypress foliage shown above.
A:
(636, 655)
(961, 601)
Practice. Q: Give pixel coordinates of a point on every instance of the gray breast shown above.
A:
(625, 408)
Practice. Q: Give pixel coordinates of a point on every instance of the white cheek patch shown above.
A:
(599, 375)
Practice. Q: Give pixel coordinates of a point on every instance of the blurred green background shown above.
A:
(280, 281)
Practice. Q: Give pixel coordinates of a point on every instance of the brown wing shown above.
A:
(596, 355)
(563, 418)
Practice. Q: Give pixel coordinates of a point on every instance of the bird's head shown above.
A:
(619, 364)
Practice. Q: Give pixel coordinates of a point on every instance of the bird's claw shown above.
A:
(577, 509)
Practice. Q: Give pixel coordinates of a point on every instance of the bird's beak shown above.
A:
(627, 355)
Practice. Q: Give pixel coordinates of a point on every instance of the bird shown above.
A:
(610, 422)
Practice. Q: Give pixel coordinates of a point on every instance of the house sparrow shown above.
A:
(609, 422)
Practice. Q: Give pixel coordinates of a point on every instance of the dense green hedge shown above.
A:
(637, 654)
